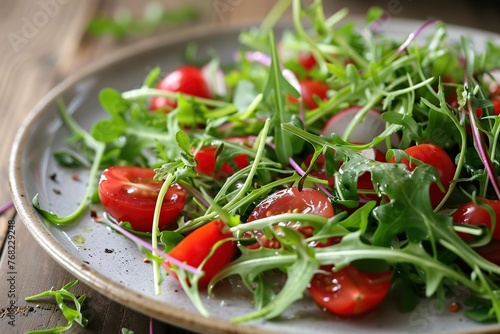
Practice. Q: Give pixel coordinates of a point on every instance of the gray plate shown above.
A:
(112, 265)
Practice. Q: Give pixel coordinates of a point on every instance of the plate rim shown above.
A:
(95, 280)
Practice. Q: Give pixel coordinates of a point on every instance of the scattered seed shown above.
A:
(454, 307)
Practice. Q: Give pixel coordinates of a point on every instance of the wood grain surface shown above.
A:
(41, 41)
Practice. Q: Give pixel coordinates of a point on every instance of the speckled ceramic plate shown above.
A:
(111, 264)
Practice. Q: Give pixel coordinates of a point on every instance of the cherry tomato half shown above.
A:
(287, 201)
(437, 158)
(187, 80)
(130, 193)
(307, 61)
(197, 245)
(472, 214)
(310, 89)
(349, 291)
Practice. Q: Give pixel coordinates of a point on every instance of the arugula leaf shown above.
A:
(277, 87)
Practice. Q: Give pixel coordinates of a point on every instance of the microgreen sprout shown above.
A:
(62, 296)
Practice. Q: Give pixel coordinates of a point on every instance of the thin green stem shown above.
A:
(154, 230)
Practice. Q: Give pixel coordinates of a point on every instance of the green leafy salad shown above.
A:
(350, 163)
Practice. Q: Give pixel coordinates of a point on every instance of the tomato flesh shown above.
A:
(187, 80)
(290, 200)
(437, 158)
(490, 252)
(349, 291)
(130, 193)
(310, 89)
(197, 245)
(473, 214)
(307, 61)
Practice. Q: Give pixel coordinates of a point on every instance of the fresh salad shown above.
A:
(351, 163)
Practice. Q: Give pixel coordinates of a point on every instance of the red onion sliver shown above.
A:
(6, 207)
(146, 245)
(415, 34)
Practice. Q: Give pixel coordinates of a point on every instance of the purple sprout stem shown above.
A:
(151, 331)
(415, 34)
(195, 193)
(146, 245)
(6, 207)
(301, 172)
(481, 149)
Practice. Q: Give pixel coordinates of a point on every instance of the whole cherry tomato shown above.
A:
(130, 193)
(187, 80)
(473, 214)
(197, 245)
(437, 158)
(349, 291)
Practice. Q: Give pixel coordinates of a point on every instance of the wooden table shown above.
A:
(42, 41)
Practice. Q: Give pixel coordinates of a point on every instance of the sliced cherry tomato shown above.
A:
(349, 291)
(187, 80)
(197, 245)
(437, 158)
(287, 201)
(207, 161)
(310, 89)
(473, 214)
(307, 61)
(130, 193)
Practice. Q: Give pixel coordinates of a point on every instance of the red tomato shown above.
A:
(319, 170)
(496, 104)
(472, 214)
(490, 252)
(437, 158)
(197, 245)
(287, 201)
(349, 291)
(495, 100)
(187, 80)
(207, 161)
(307, 61)
(309, 89)
(130, 193)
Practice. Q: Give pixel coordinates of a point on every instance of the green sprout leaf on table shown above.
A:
(62, 296)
